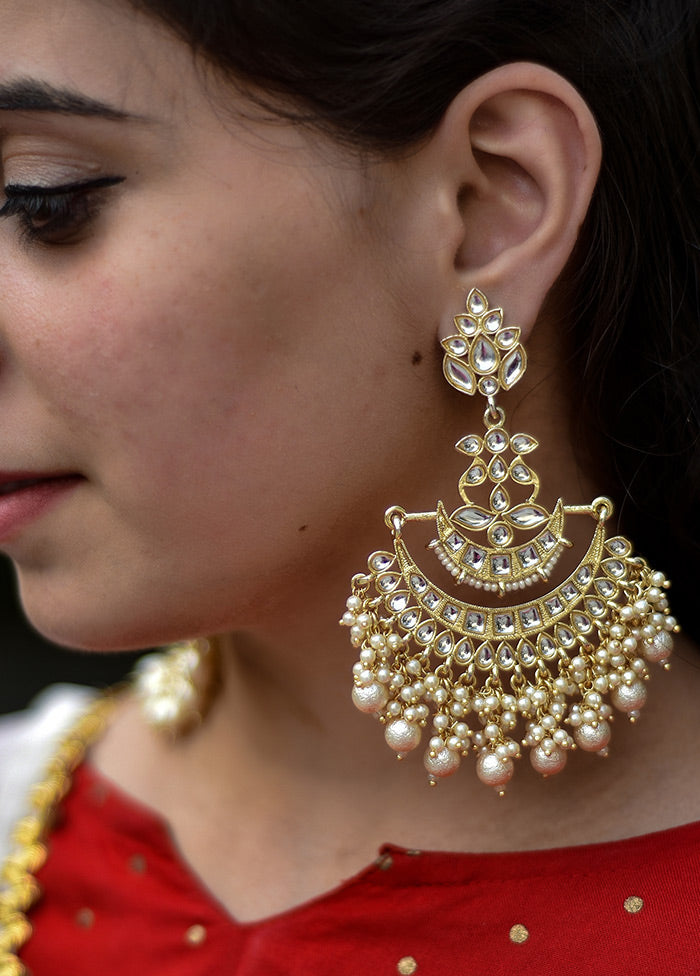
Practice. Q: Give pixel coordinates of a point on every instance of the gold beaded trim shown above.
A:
(20, 888)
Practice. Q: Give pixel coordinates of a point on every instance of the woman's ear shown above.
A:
(515, 159)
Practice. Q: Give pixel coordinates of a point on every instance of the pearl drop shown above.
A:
(629, 698)
(592, 738)
(353, 603)
(493, 771)
(369, 699)
(402, 736)
(659, 648)
(546, 764)
(443, 763)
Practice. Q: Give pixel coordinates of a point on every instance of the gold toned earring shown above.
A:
(544, 670)
(175, 687)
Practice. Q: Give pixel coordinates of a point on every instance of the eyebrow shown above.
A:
(27, 95)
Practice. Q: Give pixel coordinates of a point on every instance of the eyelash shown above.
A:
(56, 214)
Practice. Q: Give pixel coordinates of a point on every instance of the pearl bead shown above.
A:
(548, 761)
(441, 722)
(629, 698)
(592, 738)
(493, 771)
(443, 763)
(659, 648)
(353, 603)
(369, 699)
(402, 736)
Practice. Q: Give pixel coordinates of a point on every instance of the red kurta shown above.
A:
(118, 899)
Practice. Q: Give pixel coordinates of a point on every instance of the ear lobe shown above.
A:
(530, 154)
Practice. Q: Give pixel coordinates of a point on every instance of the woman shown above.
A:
(233, 237)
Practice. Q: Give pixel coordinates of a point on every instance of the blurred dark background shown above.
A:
(30, 663)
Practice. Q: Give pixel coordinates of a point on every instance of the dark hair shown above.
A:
(379, 74)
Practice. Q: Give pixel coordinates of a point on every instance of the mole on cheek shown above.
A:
(417, 358)
(303, 528)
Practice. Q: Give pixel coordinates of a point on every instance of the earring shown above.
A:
(175, 687)
(484, 672)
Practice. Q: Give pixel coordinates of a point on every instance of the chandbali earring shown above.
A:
(484, 672)
(175, 687)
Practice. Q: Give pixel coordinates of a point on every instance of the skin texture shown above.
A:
(238, 356)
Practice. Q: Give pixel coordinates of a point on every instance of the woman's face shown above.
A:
(191, 364)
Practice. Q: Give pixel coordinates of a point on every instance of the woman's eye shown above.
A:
(56, 214)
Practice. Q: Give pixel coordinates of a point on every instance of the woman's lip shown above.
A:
(26, 496)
